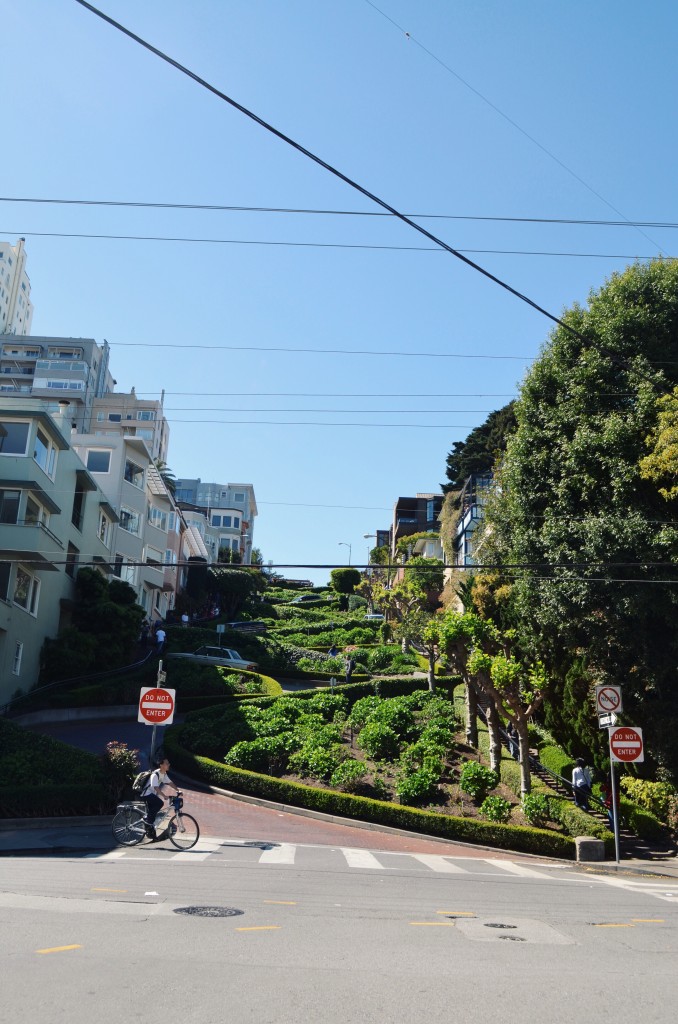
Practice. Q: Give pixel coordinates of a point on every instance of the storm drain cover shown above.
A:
(209, 911)
(491, 925)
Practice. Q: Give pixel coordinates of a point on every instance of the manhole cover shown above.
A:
(209, 911)
(491, 925)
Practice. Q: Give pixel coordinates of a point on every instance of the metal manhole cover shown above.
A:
(491, 925)
(209, 911)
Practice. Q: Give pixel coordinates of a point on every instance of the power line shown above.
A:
(315, 351)
(332, 170)
(216, 207)
(317, 245)
(334, 394)
(506, 117)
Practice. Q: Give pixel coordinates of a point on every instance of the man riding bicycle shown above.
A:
(153, 794)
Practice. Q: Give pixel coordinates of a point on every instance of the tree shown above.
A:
(479, 452)
(595, 537)
(234, 588)
(167, 476)
(344, 581)
(661, 465)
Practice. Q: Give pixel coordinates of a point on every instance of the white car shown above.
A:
(374, 617)
(218, 656)
(305, 599)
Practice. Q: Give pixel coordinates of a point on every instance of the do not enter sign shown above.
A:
(156, 705)
(626, 744)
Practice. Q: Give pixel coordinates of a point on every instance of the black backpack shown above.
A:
(141, 781)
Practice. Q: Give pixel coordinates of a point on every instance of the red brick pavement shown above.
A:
(225, 817)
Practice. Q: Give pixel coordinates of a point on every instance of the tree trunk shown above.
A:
(524, 756)
(493, 727)
(471, 715)
(404, 645)
(432, 671)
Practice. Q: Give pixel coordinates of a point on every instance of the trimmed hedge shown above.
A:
(52, 801)
(528, 840)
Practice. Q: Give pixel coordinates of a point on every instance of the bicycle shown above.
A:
(129, 829)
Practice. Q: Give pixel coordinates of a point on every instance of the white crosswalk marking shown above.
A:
(438, 863)
(203, 849)
(283, 854)
(111, 855)
(361, 859)
(515, 869)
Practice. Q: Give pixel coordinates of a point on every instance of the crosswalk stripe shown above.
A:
(283, 854)
(438, 863)
(361, 859)
(203, 849)
(514, 869)
(111, 855)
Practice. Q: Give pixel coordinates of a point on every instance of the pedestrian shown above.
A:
(160, 636)
(512, 737)
(581, 784)
(349, 667)
(333, 652)
(145, 632)
(153, 794)
(184, 619)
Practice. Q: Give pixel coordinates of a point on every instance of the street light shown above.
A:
(367, 536)
(342, 543)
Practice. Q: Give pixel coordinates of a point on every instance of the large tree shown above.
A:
(479, 452)
(591, 542)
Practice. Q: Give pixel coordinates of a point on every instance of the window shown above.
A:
(171, 524)
(236, 520)
(13, 437)
(157, 518)
(170, 557)
(78, 512)
(4, 579)
(145, 414)
(114, 417)
(226, 520)
(101, 416)
(134, 474)
(130, 520)
(99, 460)
(71, 560)
(16, 661)
(45, 453)
(153, 556)
(26, 591)
(239, 496)
(104, 528)
(216, 520)
(117, 566)
(9, 506)
(35, 513)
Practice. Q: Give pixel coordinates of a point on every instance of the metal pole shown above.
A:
(615, 810)
(152, 757)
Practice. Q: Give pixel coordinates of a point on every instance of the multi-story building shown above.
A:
(53, 517)
(230, 510)
(472, 501)
(56, 369)
(16, 308)
(118, 413)
(415, 515)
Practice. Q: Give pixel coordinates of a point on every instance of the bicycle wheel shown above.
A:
(183, 831)
(128, 827)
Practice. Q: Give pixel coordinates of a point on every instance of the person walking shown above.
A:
(160, 637)
(349, 668)
(581, 784)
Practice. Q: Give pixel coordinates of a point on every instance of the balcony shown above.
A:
(31, 542)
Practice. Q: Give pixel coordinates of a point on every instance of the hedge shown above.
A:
(520, 838)
(52, 801)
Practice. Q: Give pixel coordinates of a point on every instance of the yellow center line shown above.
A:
(648, 920)
(433, 924)
(57, 949)
(282, 903)
(614, 926)
(457, 913)
(108, 890)
(260, 928)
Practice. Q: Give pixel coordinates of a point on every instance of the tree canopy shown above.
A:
(478, 453)
(595, 540)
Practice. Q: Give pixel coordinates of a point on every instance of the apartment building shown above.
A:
(415, 515)
(229, 511)
(117, 413)
(53, 518)
(16, 308)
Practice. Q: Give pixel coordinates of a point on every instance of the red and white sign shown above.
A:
(608, 699)
(156, 705)
(626, 744)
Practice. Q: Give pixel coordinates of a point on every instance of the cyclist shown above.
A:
(153, 794)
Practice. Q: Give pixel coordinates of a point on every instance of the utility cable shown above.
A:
(333, 170)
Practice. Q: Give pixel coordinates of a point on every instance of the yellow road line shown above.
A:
(283, 903)
(457, 913)
(108, 890)
(648, 920)
(260, 928)
(433, 924)
(614, 926)
(57, 949)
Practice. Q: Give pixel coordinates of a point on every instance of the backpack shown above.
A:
(141, 781)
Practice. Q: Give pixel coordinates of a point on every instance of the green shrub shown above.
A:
(318, 762)
(349, 775)
(395, 714)
(417, 786)
(659, 798)
(423, 755)
(120, 765)
(639, 820)
(266, 754)
(536, 809)
(362, 711)
(495, 808)
(379, 742)
(476, 779)
(329, 705)
(555, 758)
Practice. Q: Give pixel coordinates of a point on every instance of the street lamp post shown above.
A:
(367, 536)
(343, 543)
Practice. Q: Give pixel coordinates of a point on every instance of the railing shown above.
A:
(90, 677)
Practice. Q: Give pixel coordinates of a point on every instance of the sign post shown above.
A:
(626, 745)
(156, 706)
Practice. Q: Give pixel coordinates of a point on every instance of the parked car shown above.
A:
(218, 656)
(247, 626)
(375, 617)
(305, 599)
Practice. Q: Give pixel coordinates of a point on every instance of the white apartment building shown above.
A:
(229, 510)
(118, 413)
(16, 308)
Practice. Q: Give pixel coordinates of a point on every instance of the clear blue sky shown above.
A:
(88, 114)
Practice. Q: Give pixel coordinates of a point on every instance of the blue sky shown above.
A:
(424, 122)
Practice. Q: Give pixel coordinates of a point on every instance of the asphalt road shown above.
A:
(322, 936)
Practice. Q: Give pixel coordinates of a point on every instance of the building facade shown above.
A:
(16, 308)
(229, 510)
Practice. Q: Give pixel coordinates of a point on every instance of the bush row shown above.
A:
(52, 801)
